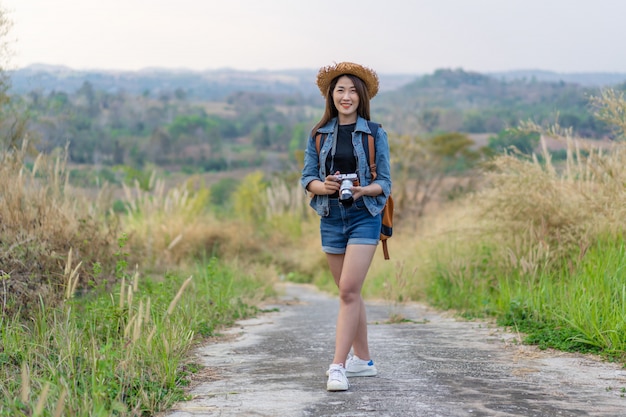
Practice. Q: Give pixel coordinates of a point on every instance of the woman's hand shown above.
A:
(331, 185)
(372, 190)
(358, 191)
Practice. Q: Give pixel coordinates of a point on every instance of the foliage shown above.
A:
(120, 128)
(514, 139)
(169, 226)
(579, 308)
(222, 191)
(249, 201)
(456, 100)
(175, 128)
(119, 354)
(93, 178)
(137, 335)
(423, 167)
(189, 130)
(12, 119)
(541, 248)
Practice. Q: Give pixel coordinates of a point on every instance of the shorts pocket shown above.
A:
(359, 204)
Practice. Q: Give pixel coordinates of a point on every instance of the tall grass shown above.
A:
(118, 354)
(41, 218)
(541, 248)
(287, 227)
(168, 226)
(583, 310)
(84, 333)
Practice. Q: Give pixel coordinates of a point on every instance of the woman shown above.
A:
(349, 232)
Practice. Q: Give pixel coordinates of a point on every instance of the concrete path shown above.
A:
(274, 366)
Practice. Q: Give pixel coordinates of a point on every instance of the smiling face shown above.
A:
(346, 100)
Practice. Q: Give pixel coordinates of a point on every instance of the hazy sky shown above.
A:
(391, 36)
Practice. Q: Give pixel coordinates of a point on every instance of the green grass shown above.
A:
(580, 307)
(121, 352)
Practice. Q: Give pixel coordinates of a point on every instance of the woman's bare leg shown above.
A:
(349, 272)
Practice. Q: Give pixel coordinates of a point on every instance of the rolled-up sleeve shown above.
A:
(383, 164)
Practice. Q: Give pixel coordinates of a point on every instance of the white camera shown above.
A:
(345, 190)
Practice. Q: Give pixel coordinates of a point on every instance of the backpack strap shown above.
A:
(319, 141)
(371, 147)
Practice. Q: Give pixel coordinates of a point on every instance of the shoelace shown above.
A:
(336, 374)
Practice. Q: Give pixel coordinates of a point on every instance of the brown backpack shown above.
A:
(386, 228)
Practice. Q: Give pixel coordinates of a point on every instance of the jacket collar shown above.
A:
(361, 126)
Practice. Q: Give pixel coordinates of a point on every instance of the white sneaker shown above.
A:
(356, 366)
(337, 380)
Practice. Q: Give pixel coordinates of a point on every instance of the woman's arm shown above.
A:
(330, 186)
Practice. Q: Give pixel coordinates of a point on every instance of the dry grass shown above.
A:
(529, 215)
(56, 240)
(42, 219)
(541, 212)
(175, 228)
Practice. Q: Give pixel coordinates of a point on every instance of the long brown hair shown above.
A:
(331, 111)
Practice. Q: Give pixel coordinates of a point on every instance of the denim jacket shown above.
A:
(315, 166)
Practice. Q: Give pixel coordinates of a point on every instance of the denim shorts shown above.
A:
(348, 226)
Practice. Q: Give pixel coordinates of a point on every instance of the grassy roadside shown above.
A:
(118, 353)
(96, 326)
(540, 249)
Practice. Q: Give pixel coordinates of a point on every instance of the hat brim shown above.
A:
(327, 74)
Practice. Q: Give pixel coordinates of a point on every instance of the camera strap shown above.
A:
(334, 149)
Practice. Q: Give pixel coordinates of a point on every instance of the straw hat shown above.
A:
(327, 74)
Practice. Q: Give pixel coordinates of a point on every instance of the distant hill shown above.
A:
(458, 100)
(218, 84)
(203, 85)
(588, 79)
(446, 100)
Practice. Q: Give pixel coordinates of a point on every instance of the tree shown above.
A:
(430, 119)
(88, 99)
(524, 142)
(422, 164)
(261, 136)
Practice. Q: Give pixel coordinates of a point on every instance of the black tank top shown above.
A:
(344, 160)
